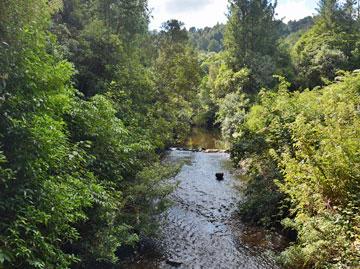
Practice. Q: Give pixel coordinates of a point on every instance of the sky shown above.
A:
(201, 13)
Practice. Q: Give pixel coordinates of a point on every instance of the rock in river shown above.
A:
(173, 263)
(219, 176)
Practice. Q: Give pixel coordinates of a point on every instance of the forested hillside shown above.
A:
(90, 98)
(211, 39)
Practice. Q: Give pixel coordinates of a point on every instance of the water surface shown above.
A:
(201, 229)
(203, 138)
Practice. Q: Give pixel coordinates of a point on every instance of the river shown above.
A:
(201, 229)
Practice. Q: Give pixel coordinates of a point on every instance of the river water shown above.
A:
(201, 229)
(208, 139)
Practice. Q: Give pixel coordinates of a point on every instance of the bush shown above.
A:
(307, 144)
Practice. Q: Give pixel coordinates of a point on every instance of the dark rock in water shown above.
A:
(219, 176)
(173, 263)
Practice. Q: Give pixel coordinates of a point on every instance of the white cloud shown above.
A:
(295, 9)
(207, 14)
(201, 13)
(177, 6)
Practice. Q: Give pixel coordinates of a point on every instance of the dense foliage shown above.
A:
(332, 44)
(81, 122)
(306, 146)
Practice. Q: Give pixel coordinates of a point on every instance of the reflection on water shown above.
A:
(201, 229)
(203, 138)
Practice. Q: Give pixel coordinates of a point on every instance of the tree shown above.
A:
(329, 11)
(214, 45)
(44, 187)
(329, 46)
(102, 39)
(210, 39)
(178, 78)
(251, 38)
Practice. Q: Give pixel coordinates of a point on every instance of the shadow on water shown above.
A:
(202, 229)
(203, 138)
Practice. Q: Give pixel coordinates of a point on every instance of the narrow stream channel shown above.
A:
(201, 229)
